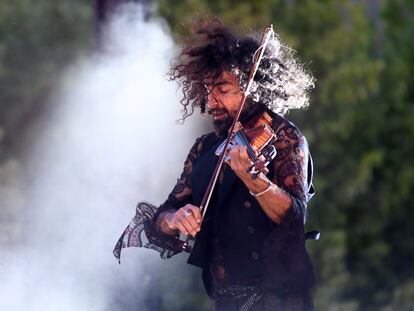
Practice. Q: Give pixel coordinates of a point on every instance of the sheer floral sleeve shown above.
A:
(142, 230)
(293, 170)
(287, 264)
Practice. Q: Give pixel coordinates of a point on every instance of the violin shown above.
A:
(258, 141)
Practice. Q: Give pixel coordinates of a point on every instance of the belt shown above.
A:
(232, 291)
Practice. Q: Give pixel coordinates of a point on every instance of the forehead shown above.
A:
(226, 77)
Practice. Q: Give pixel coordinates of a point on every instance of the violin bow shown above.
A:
(258, 55)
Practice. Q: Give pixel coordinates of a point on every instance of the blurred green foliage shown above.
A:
(360, 127)
(36, 40)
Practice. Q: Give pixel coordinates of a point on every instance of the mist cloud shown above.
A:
(111, 140)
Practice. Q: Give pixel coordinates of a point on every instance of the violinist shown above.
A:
(250, 242)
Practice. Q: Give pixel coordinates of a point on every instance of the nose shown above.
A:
(212, 102)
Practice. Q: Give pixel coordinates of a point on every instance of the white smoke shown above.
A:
(111, 141)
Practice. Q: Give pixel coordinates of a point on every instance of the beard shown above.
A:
(222, 127)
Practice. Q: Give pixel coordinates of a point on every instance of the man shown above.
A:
(250, 244)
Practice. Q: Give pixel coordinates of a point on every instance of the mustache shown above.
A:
(211, 111)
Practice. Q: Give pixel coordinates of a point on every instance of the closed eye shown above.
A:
(224, 90)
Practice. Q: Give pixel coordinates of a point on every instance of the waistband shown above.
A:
(234, 291)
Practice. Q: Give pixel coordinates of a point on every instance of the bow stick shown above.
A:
(258, 55)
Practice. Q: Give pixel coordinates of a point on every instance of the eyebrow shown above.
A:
(219, 83)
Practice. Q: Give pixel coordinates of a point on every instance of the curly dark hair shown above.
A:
(280, 82)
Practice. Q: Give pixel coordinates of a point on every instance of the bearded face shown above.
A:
(223, 100)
